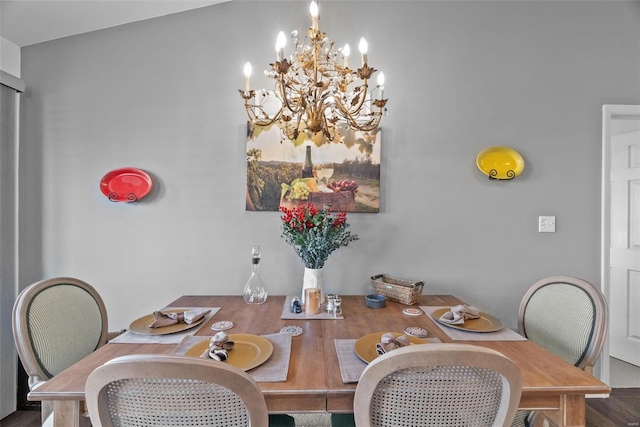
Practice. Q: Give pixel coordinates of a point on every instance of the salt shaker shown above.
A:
(337, 310)
(330, 303)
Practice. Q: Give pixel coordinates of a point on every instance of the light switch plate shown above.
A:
(546, 224)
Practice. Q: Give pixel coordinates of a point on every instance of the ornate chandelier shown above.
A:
(315, 92)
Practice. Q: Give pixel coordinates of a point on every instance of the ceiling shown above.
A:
(27, 22)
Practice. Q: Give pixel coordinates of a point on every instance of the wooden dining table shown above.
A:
(314, 382)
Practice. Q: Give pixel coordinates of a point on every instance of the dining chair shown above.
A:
(175, 391)
(57, 322)
(438, 385)
(568, 317)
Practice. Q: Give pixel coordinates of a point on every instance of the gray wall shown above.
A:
(162, 95)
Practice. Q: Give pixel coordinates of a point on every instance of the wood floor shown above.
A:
(22, 419)
(621, 409)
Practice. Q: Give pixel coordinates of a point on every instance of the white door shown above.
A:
(624, 253)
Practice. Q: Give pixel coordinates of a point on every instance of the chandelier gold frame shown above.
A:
(314, 92)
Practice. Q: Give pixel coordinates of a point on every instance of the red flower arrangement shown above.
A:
(315, 233)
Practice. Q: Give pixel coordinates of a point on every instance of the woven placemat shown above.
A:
(129, 337)
(351, 366)
(273, 370)
(505, 334)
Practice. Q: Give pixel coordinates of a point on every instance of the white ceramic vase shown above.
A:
(313, 279)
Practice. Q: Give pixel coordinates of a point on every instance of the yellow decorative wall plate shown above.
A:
(500, 162)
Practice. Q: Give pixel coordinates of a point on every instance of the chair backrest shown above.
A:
(57, 322)
(568, 317)
(438, 385)
(172, 391)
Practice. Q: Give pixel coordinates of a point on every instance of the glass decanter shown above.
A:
(255, 291)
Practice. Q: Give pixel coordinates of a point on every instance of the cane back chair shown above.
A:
(438, 385)
(173, 391)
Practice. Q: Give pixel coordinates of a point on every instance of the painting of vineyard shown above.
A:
(343, 173)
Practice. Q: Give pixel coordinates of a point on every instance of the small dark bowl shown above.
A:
(375, 301)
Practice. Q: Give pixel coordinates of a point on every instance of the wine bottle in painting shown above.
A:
(307, 167)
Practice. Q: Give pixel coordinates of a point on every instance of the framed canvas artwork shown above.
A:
(343, 173)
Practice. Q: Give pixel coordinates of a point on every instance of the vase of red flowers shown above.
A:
(314, 234)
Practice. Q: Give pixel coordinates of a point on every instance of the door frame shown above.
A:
(9, 272)
(609, 113)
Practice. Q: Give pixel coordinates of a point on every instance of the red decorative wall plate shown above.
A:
(126, 185)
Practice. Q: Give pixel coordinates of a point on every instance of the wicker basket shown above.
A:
(403, 291)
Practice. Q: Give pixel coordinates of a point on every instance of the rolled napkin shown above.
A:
(161, 320)
(458, 314)
(219, 347)
(167, 319)
(390, 342)
(192, 316)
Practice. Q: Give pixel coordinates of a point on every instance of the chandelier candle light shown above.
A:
(316, 93)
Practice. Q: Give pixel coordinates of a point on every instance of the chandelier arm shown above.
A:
(293, 132)
(356, 108)
(261, 121)
(286, 101)
(329, 129)
(295, 108)
(315, 62)
(300, 122)
(345, 112)
(368, 125)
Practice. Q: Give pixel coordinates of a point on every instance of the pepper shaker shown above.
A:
(296, 307)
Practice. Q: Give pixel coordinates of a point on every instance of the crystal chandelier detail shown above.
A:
(315, 92)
